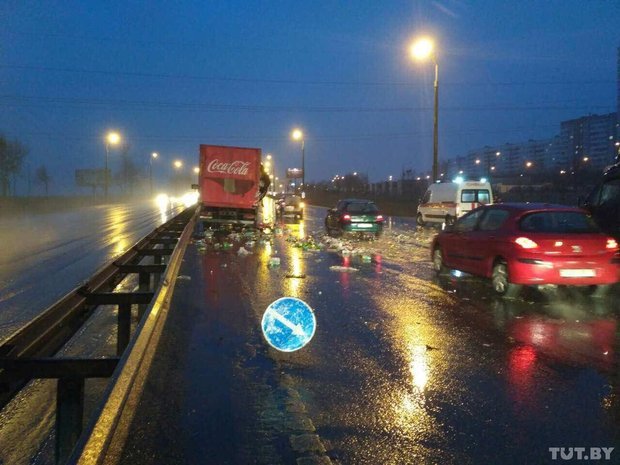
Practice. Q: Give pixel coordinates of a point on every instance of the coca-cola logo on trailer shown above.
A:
(240, 168)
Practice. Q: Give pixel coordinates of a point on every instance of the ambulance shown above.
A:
(447, 201)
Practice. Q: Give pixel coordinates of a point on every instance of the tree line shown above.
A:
(13, 155)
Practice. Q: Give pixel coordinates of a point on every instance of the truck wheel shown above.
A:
(501, 281)
(420, 220)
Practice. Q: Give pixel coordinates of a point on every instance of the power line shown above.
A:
(92, 103)
(233, 79)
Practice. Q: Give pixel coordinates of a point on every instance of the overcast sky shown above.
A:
(172, 75)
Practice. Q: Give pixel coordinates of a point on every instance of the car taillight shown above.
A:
(526, 243)
(379, 218)
(611, 244)
(346, 217)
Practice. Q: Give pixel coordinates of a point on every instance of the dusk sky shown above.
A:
(172, 75)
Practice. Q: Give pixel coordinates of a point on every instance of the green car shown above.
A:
(354, 216)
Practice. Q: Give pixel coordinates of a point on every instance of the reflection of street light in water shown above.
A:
(297, 269)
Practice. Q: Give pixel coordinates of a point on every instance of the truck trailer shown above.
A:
(228, 184)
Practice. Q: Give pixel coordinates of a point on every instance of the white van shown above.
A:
(445, 202)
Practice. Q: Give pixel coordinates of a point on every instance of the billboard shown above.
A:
(90, 177)
(294, 173)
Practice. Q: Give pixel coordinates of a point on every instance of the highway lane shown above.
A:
(404, 368)
(44, 256)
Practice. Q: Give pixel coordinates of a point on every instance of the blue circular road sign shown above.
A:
(288, 324)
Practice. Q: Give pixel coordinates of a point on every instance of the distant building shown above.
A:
(590, 141)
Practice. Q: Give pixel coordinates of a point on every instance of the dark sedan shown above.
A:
(354, 216)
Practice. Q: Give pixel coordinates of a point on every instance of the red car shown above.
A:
(528, 244)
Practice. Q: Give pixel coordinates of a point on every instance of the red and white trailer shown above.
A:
(228, 184)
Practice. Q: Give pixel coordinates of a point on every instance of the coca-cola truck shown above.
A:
(228, 184)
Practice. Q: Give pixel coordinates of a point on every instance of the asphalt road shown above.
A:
(404, 368)
(46, 255)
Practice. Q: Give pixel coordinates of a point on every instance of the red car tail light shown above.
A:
(346, 217)
(379, 218)
(526, 243)
(611, 244)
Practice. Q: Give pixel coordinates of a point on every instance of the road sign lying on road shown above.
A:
(288, 324)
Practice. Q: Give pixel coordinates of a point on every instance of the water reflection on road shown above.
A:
(51, 253)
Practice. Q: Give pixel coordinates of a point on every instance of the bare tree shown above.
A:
(42, 177)
(12, 154)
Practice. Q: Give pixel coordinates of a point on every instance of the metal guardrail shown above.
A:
(29, 353)
(114, 416)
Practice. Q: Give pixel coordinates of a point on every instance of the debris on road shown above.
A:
(343, 269)
(274, 261)
(243, 252)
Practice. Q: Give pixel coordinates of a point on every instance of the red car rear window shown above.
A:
(558, 222)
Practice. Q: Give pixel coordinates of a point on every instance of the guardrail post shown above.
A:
(156, 276)
(144, 285)
(124, 328)
(69, 415)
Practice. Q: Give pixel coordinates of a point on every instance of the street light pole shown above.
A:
(153, 156)
(105, 173)
(423, 49)
(436, 124)
(111, 138)
(299, 135)
(303, 164)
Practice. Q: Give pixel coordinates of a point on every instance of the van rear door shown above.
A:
(472, 197)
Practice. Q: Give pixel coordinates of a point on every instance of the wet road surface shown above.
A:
(404, 368)
(46, 255)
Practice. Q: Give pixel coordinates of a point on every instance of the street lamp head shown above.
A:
(297, 134)
(477, 161)
(269, 156)
(113, 138)
(422, 49)
(178, 164)
(528, 164)
(154, 155)
(196, 170)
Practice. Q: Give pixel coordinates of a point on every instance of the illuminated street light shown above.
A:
(423, 49)
(178, 164)
(153, 156)
(477, 161)
(585, 159)
(111, 138)
(196, 169)
(528, 164)
(297, 134)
